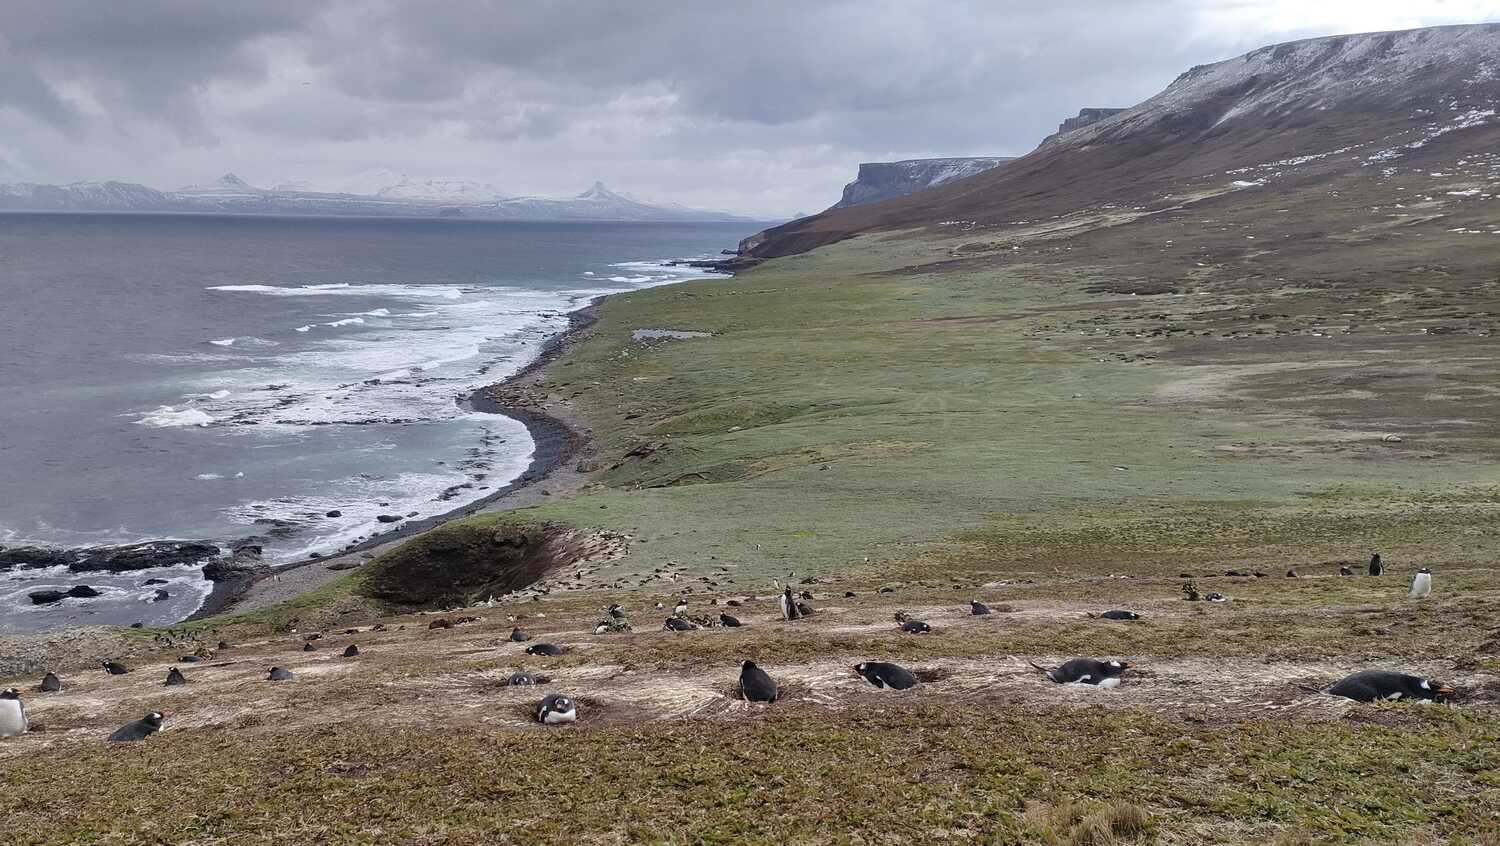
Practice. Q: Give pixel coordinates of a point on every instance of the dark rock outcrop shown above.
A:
(46, 597)
(885, 180)
(1085, 117)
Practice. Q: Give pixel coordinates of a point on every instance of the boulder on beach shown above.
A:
(388, 518)
(161, 595)
(82, 592)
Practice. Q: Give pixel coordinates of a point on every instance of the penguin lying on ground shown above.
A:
(50, 683)
(1377, 567)
(978, 608)
(1421, 584)
(916, 627)
(278, 674)
(1374, 685)
(677, 624)
(729, 621)
(1105, 674)
(1345, 571)
(543, 649)
(883, 675)
(115, 668)
(755, 684)
(140, 729)
(556, 708)
(13, 719)
(1119, 615)
(175, 677)
(517, 635)
(521, 679)
(308, 647)
(351, 651)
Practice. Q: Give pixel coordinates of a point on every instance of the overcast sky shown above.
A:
(761, 107)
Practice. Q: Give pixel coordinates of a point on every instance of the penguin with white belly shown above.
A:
(1105, 674)
(1421, 584)
(556, 708)
(13, 719)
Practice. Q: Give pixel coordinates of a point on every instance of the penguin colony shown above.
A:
(756, 685)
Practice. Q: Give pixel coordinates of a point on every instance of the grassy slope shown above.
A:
(992, 421)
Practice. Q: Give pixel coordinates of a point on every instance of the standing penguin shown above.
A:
(788, 603)
(755, 684)
(12, 713)
(1421, 584)
(680, 608)
(883, 675)
(1373, 685)
(1105, 674)
(556, 708)
(517, 635)
(977, 608)
(1376, 566)
(175, 677)
(140, 729)
(50, 683)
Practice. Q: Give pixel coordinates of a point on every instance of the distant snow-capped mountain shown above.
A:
(381, 192)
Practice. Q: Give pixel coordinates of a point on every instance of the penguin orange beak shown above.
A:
(1446, 691)
(1128, 664)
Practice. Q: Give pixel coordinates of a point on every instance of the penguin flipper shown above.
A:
(1046, 672)
(1311, 689)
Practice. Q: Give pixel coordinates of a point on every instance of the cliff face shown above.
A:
(884, 180)
(1085, 117)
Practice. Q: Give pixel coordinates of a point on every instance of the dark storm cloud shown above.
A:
(760, 106)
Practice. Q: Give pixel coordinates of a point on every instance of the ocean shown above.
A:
(200, 377)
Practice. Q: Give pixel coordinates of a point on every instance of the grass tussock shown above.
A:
(1087, 823)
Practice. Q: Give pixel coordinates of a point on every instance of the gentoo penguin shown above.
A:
(1377, 567)
(1291, 574)
(729, 621)
(175, 676)
(677, 624)
(556, 708)
(1372, 685)
(307, 647)
(1345, 571)
(543, 649)
(883, 675)
(351, 651)
(916, 627)
(788, 604)
(1105, 674)
(50, 683)
(1421, 584)
(517, 635)
(1215, 596)
(278, 674)
(680, 608)
(140, 729)
(189, 659)
(521, 679)
(12, 713)
(755, 685)
(115, 668)
(1120, 615)
(804, 609)
(601, 628)
(977, 608)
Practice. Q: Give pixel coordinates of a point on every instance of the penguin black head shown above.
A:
(154, 718)
(10, 693)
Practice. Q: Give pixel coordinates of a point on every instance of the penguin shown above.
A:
(1105, 674)
(1345, 571)
(755, 685)
(556, 708)
(977, 608)
(307, 647)
(1421, 584)
(1120, 615)
(680, 608)
(115, 668)
(677, 624)
(12, 713)
(1374, 685)
(601, 628)
(617, 613)
(516, 635)
(883, 675)
(1215, 596)
(1291, 574)
(916, 627)
(543, 649)
(174, 677)
(50, 683)
(351, 651)
(1377, 567)
(729, 621)
(521, 679)
(804, 609)
(278, 674)
(140, 729)
(789, 605)
(223, 645)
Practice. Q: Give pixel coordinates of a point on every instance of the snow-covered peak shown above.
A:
(600, 193)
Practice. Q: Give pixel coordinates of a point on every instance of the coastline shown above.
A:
(559, 441)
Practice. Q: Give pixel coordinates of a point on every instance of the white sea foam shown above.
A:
(207, 477)
(348, 321)
(307, 328)
(168, 417)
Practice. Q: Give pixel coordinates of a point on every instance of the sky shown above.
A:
(762, 108)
